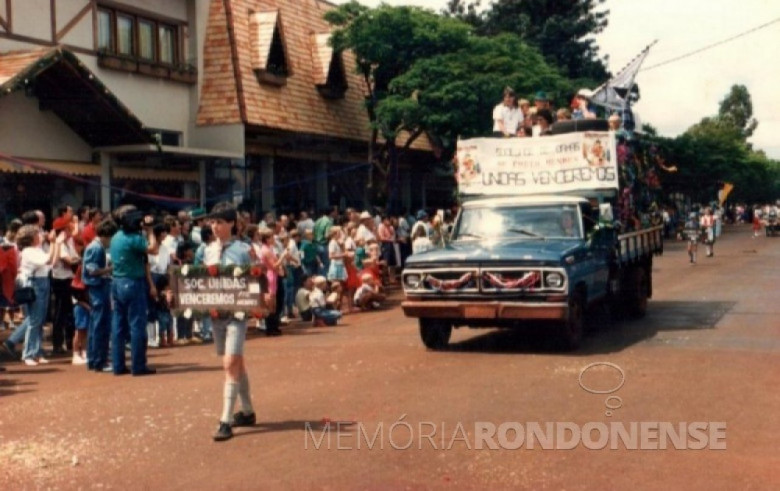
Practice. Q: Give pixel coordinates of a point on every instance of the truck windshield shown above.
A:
(519, 222)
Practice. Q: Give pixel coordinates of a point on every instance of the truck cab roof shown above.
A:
(524, 201)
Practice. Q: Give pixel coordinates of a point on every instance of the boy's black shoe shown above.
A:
(223, 433)
(241, 419)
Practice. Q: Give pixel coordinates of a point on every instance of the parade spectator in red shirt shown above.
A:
(94, 217)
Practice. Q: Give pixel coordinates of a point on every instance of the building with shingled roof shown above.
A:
(181, 104)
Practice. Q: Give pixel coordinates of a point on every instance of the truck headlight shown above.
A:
(412, 280)
(554, 280)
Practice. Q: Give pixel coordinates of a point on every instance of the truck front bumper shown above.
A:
(454, 309)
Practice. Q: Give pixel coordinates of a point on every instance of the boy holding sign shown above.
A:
(230, 334)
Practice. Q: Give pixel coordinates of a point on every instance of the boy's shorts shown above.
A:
(80, 317)
(229, 336)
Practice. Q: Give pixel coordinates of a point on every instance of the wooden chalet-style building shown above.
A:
(182, 103)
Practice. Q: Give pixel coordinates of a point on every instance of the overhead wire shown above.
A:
(713, 45)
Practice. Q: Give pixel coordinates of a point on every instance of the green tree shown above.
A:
(561, 29)
(715, 150)
(387, 41)
(452, 95)
(428, 73)
(737, 109)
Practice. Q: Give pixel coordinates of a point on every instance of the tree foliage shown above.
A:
(388, 40)
(454, 93)
(428, 73)
(716, 150)
(737, 109)
(561, 29)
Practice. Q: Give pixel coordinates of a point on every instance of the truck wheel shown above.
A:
(637, 306)
(574, 326)
(435, 333)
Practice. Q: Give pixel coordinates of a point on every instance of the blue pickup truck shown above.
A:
(511, 260)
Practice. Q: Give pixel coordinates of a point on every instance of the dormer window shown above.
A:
(329, 75)
(269, 56)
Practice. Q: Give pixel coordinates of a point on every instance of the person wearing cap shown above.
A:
(230, 334)
(423, 222)
(581, 105)
(61, 279)
(130, 286)
(507, 117)
(198, 216)
(541, 101)
(365, 230)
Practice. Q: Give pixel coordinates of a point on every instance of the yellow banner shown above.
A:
(723, 194)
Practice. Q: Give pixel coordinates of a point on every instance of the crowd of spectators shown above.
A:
(104, 280)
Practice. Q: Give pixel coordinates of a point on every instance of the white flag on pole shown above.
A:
(613, 93)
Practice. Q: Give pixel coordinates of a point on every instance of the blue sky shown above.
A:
(679, 94)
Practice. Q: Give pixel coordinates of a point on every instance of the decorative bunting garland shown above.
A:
(527, 281)
(448, 285)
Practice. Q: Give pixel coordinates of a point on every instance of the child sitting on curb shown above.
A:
(302, 302)
(368, 295)
(321, 314)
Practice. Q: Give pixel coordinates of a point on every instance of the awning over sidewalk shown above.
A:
(37, 166)
(154, 174)
(64, 85)
(46, 166)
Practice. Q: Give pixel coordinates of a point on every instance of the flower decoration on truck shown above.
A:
(449, 285)
(526, 281)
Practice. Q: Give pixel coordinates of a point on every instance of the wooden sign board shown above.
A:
(222, 293)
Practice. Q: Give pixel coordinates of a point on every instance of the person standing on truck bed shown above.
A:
(507, 117)
(545, 120)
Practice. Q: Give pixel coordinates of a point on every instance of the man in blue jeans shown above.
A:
(129, 289)
(96, 274)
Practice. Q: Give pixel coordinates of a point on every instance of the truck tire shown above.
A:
(435, 333)
(638, 292)
(573, 327)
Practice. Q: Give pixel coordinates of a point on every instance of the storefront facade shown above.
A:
(181, 103)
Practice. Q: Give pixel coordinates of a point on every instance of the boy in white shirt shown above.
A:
(321, 314)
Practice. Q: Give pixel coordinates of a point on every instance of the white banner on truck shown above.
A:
(543, 165)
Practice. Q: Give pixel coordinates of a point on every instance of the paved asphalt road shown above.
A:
(708, 351)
